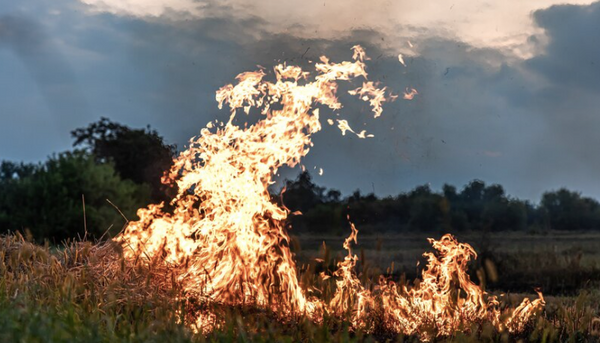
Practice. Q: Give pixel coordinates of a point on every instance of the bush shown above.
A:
(47, 199)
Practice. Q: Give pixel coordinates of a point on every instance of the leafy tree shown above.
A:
(302, 194)
(502, 214)
(449, 192)
(139, 155)
(10, 170)
(333, 195)
(47, 199)
(493, 193)
(567, 210)
(426, 209)
(321, 211)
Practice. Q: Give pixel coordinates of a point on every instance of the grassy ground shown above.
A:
(87, 293)
(558, 263)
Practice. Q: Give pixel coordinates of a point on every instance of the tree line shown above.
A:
(476, 207)
(113, 170)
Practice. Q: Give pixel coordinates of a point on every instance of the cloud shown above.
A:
(572, 56)
(144, 8)
(501, 24)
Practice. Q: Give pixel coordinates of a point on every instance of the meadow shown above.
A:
(560, 263)
(86, 292)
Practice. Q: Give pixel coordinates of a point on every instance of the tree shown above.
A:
(426, 209)
(567, 210)
(321, 211)
(450, 192)
(139, 155)
(10, 170)
(471, 203)
(502, 214)
(47, 199)
(302, 194)
(493, 193)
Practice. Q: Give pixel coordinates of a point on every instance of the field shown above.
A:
(560, 263)
(87, 293)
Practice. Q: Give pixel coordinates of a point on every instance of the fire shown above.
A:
(401, 59)
(226, 239)
(409, 94)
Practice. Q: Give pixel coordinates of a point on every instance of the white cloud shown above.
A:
(499, 24)
(142, 8)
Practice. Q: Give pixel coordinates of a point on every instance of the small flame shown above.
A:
(375, 96)
(409, 94)
(227, 241)
(401, 59)
(345, 127)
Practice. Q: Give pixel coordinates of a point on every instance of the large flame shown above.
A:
(226, 239)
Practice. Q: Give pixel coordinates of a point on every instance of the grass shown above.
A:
(86, 292)
(557, 262)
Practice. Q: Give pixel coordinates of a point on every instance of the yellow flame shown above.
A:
(401, 59)
(226, 238)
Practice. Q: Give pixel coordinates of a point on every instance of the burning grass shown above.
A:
(226, 240)
(89, 292)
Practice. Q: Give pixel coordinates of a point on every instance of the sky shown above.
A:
(509, 91)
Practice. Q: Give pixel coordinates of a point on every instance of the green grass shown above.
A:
(87, 293)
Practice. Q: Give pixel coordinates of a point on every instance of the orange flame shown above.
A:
(409, 94)
(227, 240)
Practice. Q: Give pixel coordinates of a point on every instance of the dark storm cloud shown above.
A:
(562, 90)
(572, 57)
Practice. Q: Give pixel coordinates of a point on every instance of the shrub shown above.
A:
(49, 199)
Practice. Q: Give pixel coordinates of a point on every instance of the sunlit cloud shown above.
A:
(499, 24)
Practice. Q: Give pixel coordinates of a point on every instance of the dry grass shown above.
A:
(558, 263)
(87, 292)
